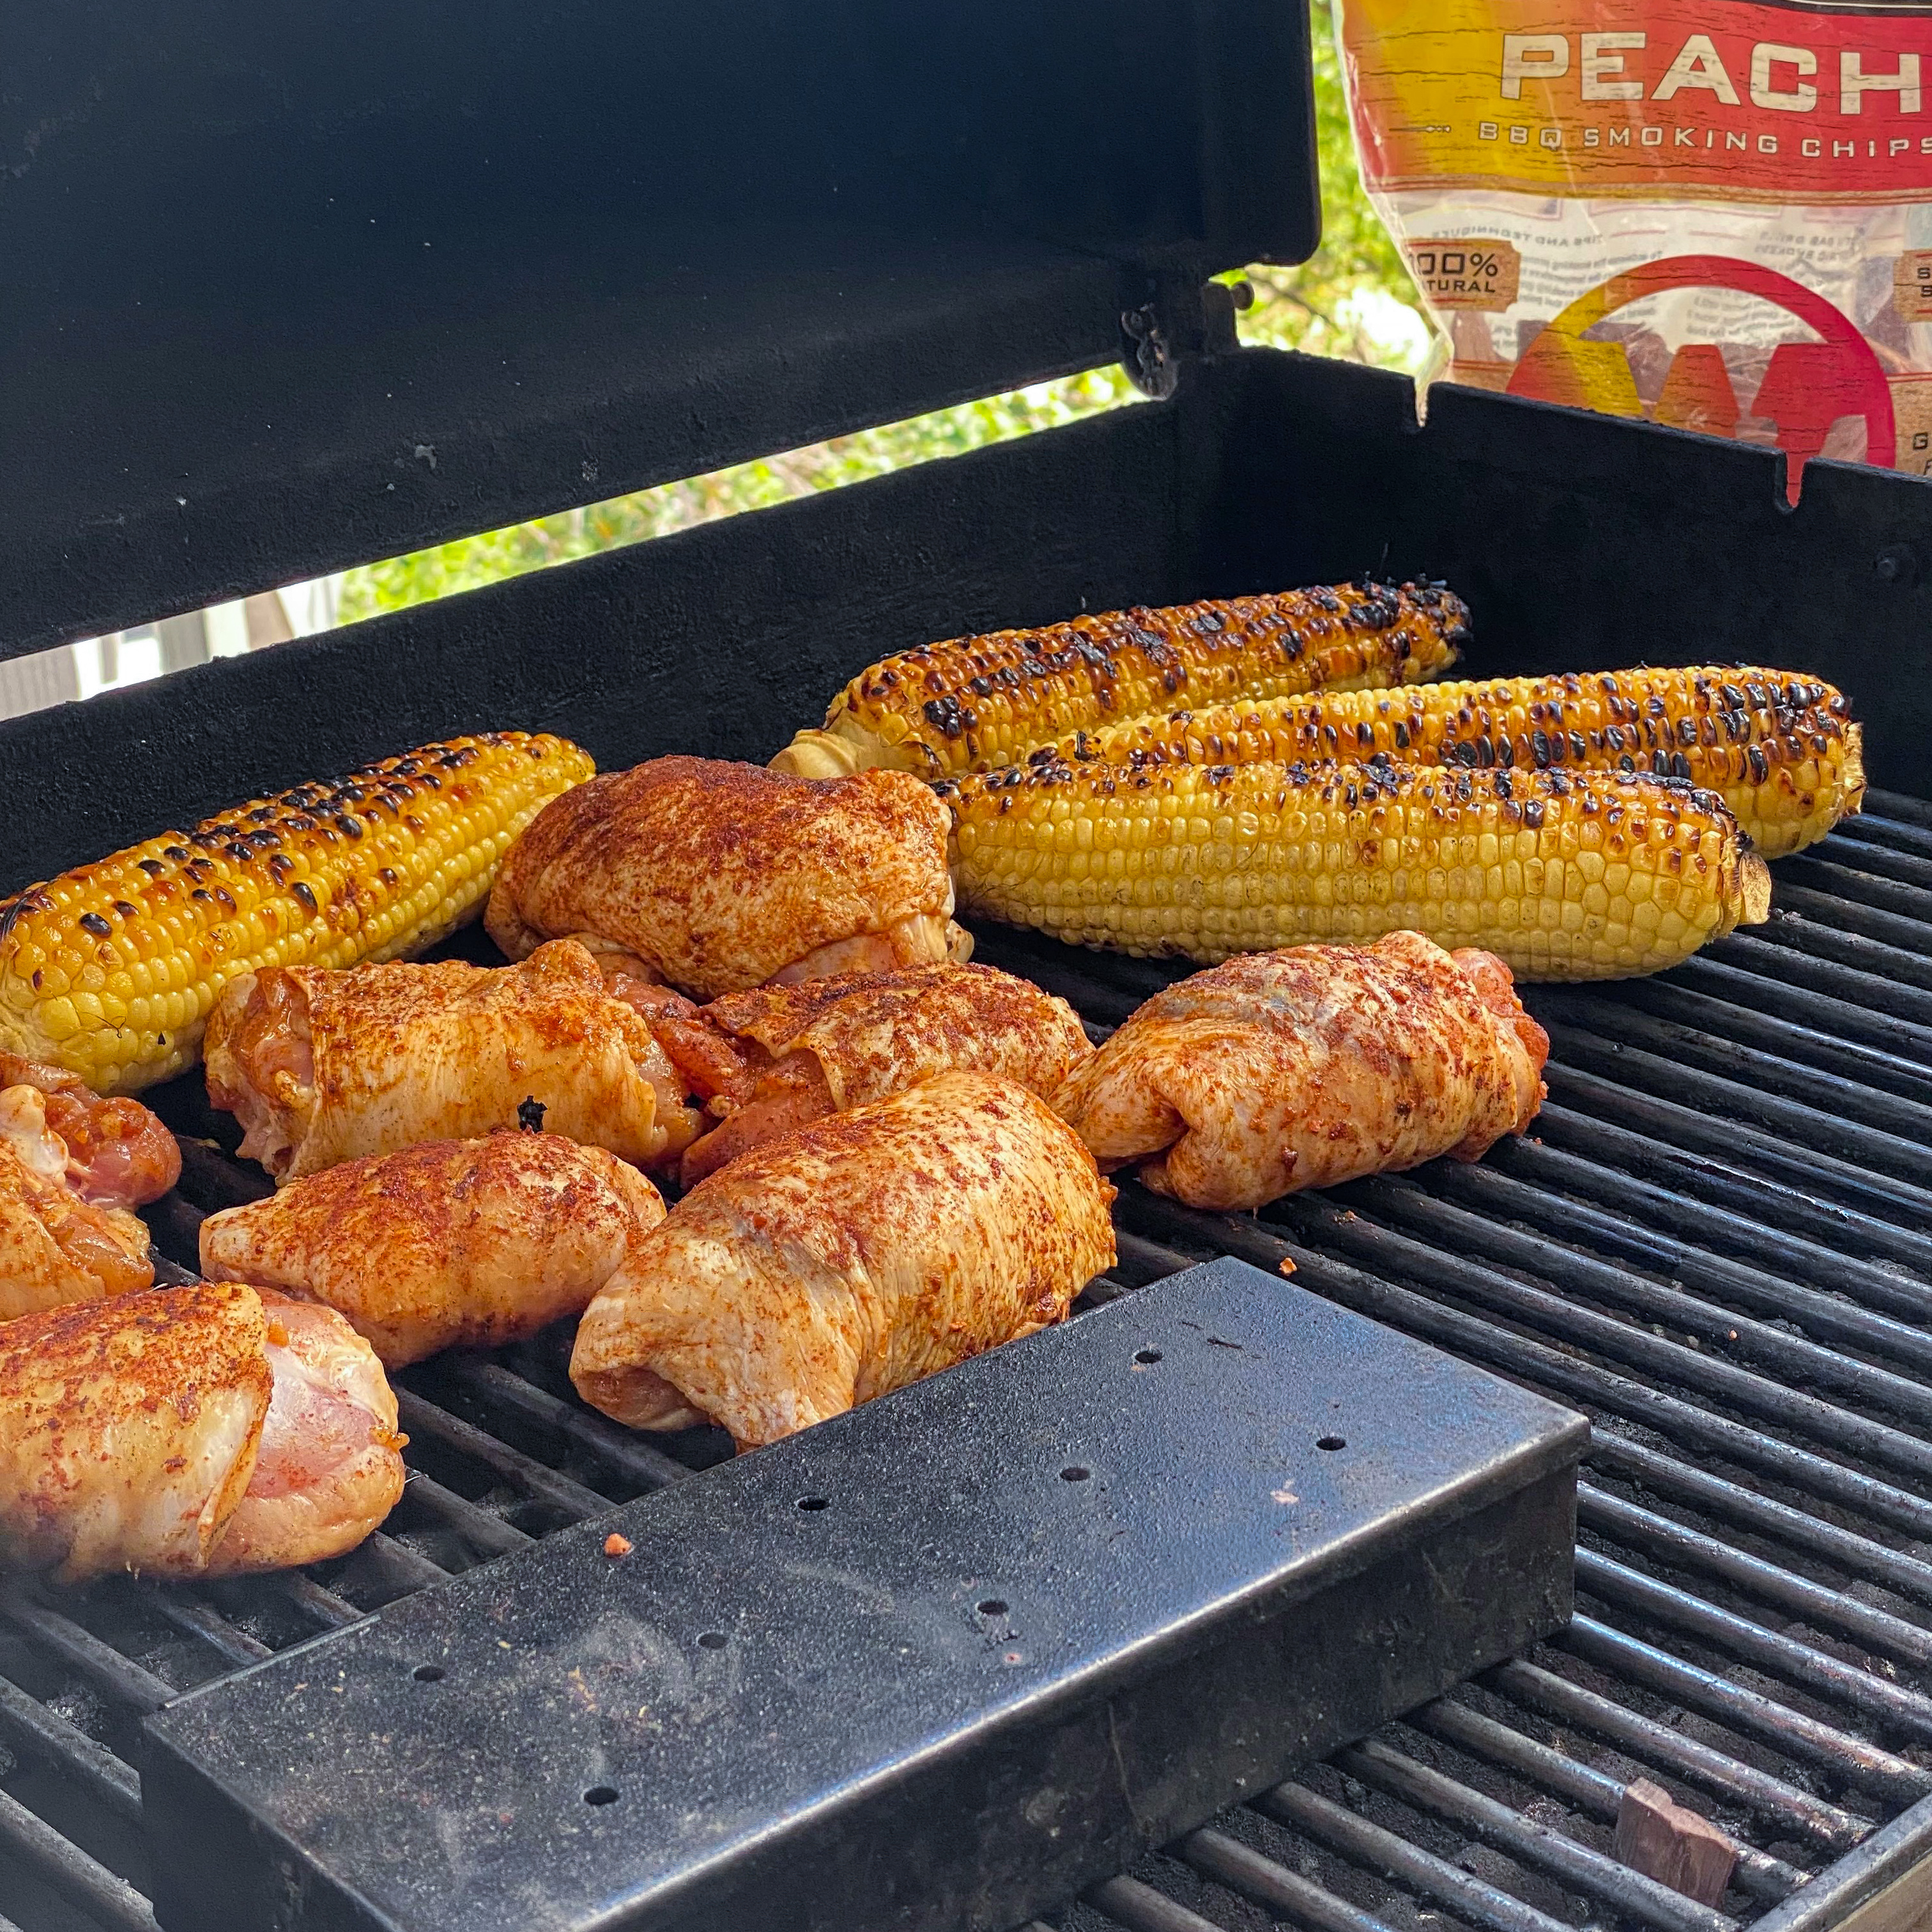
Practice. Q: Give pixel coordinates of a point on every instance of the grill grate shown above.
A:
(1719, 1243)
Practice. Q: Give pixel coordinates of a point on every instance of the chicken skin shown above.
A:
(1309, 1066)
(118, 1153)
(56, 1247)
(447, 1244)
(186, 1432)
(847, 1259)
(322, 1067)
(827, 1045)
(720, 876)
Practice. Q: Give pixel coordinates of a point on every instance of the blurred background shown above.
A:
(1353, 299)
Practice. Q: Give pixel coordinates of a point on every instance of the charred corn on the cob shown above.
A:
(1592, 876)
(110, 970)
(1780, 749)
(976, 703)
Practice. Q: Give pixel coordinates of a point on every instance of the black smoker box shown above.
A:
(284, 294)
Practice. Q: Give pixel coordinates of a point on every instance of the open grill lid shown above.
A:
(286, 290)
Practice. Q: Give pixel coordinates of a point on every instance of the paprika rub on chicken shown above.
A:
(848, 1258)
(323, 1066)
(191, 1431)
(1310, 1067)
(781, 1056)
(451, 1244)
(716, 877)
(61, 1239)
(119, 1154)
(72, 1166)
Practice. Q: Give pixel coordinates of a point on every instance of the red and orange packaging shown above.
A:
(1714, 214)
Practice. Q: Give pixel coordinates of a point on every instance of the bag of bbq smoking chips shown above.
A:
(1714, 214)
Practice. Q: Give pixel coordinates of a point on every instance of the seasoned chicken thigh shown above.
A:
(324, 1067)
(55, 1247)
(118, 1153)
(189, 1432)
(1309, 1066)
(449, 1243)
(720, 876)
(827, 1045)
(848, 1258)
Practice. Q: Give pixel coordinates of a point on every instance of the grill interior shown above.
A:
(1717, 1242)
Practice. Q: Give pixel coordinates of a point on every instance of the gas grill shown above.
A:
(256, 355)
(1713, 1242)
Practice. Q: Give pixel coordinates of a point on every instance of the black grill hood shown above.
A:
(284, 290)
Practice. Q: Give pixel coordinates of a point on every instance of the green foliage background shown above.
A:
(1319, 308)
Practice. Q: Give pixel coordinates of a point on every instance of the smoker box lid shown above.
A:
(283, 290)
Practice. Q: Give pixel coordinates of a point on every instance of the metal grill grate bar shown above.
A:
(1834, 1120)
(1654, 1217)
(1794, 1176)
(1900, 857)
(396, 1566)
(1664, 1749)
(1662, 1540)
(1881, 1052)
(1469, 1898)
(1832, 927)
(1455, 1221)
(1631, 1590)
(1793, 1732)
(1888, 815)
(31, 1730)
(116, 1678)
(569, 1499)
(1887, 1855)
(236, 1648)
(1867, 885)
(1391, 1253)
(1244, 1871)
(60, 1865)
(1141, 1909)
(621, 1457)
(1877, 1013)
(1762, 1876)
(1812, 1535)
(322, 1606)
(1642, 1899)
(1738, 1053)
(1817, 954)
(1547, 1367)
(483, 1530)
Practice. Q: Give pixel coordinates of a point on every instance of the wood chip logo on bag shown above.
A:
(1715, 214)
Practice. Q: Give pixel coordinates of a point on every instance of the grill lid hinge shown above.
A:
(1180, 320)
